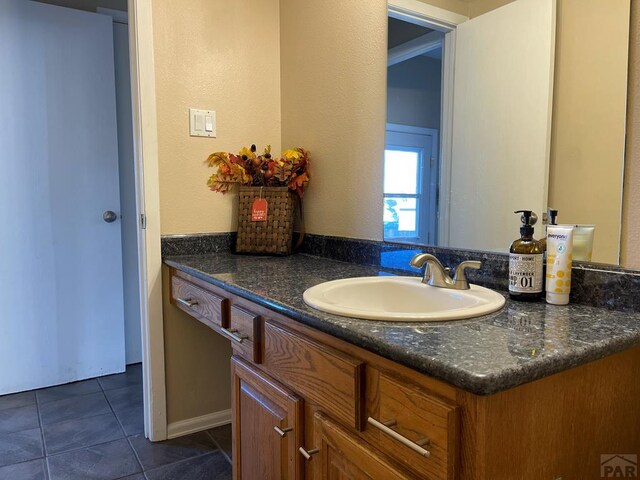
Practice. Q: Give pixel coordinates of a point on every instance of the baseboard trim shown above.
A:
(197, 424)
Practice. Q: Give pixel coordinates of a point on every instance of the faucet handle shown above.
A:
(460, 277)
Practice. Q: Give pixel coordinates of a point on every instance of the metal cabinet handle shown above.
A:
(282, 431)
(307, 453)
(187, 302)
(415, 446)
(231, 333)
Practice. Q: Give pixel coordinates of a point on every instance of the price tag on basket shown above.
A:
(259, 209)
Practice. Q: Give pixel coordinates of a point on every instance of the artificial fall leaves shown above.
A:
(248, 168)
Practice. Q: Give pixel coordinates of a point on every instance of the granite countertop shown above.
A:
(520, 343)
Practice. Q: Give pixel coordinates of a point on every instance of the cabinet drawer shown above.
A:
(328, 378)
(410, 420)
(244, 332)
(207, 307)
(342, 455)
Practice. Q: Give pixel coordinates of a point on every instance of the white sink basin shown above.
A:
(401, 299)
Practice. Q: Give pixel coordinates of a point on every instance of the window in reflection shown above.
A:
(402, 192)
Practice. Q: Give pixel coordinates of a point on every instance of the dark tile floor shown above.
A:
(93, 430)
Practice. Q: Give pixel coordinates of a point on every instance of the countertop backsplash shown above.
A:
(595, 285)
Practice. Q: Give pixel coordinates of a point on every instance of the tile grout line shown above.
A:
(91, 415)
(224, 453)
(126, 437)
(45, 453)
(57, 454)
(42, 459)
(22, 428)
(178, 461)
(113, 411)
(184, 460)
(135, 454)
(62, 385)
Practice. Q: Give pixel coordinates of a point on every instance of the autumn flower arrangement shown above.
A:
(249, 168)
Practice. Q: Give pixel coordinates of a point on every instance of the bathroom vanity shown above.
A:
(530, 392)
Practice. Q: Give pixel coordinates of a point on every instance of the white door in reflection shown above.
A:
(410, 187)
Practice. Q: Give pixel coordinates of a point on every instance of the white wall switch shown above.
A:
(208, 123)
(202, 123)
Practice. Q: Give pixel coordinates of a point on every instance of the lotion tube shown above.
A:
(559, 263)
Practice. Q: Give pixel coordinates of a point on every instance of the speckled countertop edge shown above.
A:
(606, 333)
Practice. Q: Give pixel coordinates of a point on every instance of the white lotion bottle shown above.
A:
(559, 263)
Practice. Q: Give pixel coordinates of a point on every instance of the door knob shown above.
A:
(109, 216)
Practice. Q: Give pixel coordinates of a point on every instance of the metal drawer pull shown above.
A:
(415, 446)
(307, 453)
(187, 302)
(231, 333)
(282, 431)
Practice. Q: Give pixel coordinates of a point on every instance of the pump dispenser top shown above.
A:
(528, 219)
(552, 216)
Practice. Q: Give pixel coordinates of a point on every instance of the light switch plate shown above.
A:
(202, 123)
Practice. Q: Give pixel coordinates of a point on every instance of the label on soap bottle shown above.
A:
(525, 273)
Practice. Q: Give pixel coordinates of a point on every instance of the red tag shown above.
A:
(259, 210)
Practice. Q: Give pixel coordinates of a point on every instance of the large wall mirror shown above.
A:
(522, 106)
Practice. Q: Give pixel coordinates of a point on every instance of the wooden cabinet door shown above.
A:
(343, 456)
(267, 426)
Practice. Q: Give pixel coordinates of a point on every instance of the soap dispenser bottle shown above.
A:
(526, 262)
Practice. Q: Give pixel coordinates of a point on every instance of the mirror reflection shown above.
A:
(521, 106)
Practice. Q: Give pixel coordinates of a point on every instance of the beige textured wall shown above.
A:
(470, 8)
(631, 208)
(478, 7)
(588, 127)
(457, 6)
(203, 60)
(333, 103)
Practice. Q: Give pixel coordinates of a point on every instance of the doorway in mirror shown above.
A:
(414, 112)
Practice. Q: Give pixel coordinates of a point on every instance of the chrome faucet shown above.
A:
(436, 275)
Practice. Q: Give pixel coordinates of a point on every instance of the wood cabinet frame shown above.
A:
(555, 427)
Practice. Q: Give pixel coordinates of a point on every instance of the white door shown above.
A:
(503, 92)
(129, 223)
(61, 309)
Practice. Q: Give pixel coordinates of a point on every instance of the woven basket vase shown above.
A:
(275, 234)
